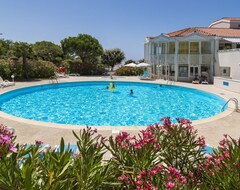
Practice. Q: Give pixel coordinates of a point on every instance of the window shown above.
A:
(172, 70)
(183, 71)
(194, 48)
(228, 46)
(171, 47)
(204, 68)
(224, 71)
(163, 48)
(206, 47)
(183, 48)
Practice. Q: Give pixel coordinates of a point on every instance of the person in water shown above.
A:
(131, 92)
(112, 86)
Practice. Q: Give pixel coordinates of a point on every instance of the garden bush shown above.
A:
(5, 71)
(129, 71)
(163, 156)
(40, 69)
(35, 69)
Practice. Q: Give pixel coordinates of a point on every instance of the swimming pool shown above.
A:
(90, 103)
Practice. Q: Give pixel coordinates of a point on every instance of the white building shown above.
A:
(183, 54)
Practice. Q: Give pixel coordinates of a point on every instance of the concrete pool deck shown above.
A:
(212, 129)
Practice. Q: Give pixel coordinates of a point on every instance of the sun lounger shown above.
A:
(145, 76)
(204, 82)
(61, 75)
(74, 74)
(5, 83)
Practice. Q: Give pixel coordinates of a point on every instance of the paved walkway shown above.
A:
(212, 128)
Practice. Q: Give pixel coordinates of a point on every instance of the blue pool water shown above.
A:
(90, 103)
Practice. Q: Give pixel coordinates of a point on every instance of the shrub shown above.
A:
(129, 71)
(5, 71)
(221, 169)
(163, 156)
(40, 69)
(35, 69)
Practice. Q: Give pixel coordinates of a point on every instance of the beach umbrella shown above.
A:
(143, 65)
(130, 65)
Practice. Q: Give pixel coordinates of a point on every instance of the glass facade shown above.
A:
(171, 47)
(194, 48)
(183, 71)
(183, 48)
(206, 47)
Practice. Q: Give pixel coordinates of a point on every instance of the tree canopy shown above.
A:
(83, 46)
(112, 57)
(5, 46)
(22, 50)
(47, 51)
(81, 54)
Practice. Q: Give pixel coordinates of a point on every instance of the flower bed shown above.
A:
(164, 156)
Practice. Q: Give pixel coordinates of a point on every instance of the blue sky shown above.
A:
(120, 24)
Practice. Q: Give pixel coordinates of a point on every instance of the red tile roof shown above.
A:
(222, 32)
(231, 18)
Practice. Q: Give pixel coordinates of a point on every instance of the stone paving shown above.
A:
(212, 128)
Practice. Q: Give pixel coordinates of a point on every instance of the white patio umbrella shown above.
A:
(130, 65)
(143, 65)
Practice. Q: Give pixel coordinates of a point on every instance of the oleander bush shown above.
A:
(41, 69)
(221, 170)
(129, 71)
(163, 156)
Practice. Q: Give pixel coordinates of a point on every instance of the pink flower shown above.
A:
(13, 149)
(170, 184)
(227, 154)
(222, 143)
(236, 165)
(157, 146)
(37, 142)
(211, 172)
(121, 137)
(138, 182)
(201, 141)
(191, 175)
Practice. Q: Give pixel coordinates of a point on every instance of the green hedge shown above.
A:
(35, 69)
(129, 71)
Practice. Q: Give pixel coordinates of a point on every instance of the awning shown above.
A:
(233, 40)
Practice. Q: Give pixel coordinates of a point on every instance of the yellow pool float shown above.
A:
(112, 87)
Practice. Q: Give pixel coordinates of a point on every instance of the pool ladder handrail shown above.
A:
(235, 100)
(52, 78)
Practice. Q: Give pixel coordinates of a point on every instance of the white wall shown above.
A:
(227, 84)
(230, 58)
